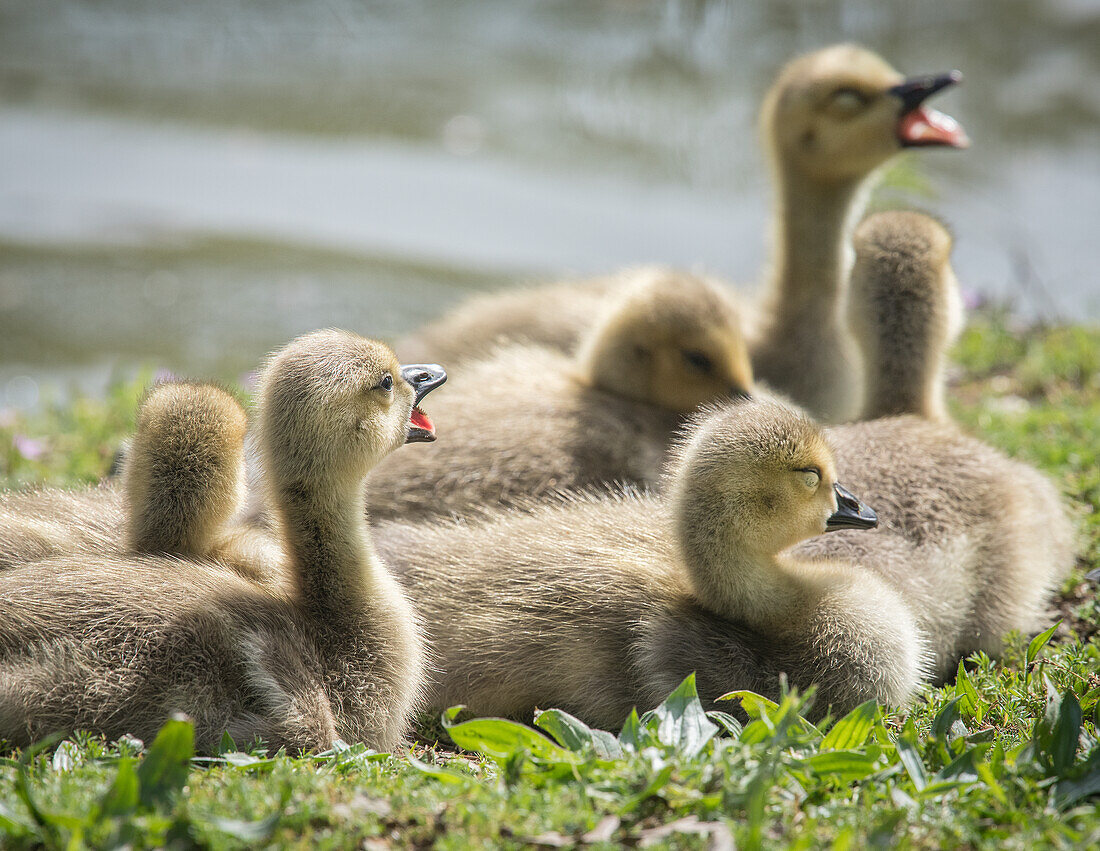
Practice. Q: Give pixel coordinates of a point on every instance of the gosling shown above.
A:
(905, 312)
(995, 530)
(529, 422)
(116, 644)
(597, 605)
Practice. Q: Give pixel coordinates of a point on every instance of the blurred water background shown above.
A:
(188, 184)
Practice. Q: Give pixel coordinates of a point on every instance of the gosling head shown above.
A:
(333, 404)
(837, 114)
(758, 477)
(904, 310)
(669, 339)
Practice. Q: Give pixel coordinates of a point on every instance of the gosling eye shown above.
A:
(699, 361)
(848, 99)
(386, 383)
(811, 477)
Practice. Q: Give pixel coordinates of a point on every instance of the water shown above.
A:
(190, 184)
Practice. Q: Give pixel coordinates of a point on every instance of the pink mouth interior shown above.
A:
(421, 420)
(925, 126)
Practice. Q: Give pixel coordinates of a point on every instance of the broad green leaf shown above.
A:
(121, 797)
(682, 724)
(843, 766)
(500, 739)
(574, 734)
(227, 745)
(727, 722)
(1034, 646)
(630, 736)
(963, 768)
(239, 759)
(945, 719)
(1086, 784)
(1042, 737)
(347, 756)
(1039, 642)
(969, 702)
(439, 772)
(852, 730)
(163, 772)
(1067, 731)
(910, 757)
(768, 712)
(755, 705)
(756, 732)
(1090, 699)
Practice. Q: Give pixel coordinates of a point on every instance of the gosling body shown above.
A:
(47, 522)
(999, 527)
(181, 487)
(991, 535)
(905, 312)
(598, 605)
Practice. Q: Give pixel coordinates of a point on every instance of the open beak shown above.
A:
(919, 125)
(850, 512)
(423, 378)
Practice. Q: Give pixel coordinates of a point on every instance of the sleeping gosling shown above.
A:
(529, 422)
(598, 604)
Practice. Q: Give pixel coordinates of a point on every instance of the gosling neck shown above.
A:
(914, 387)
(739, 583)
(329, 544)
(812, 224)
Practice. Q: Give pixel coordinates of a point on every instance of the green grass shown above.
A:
(1007, 756)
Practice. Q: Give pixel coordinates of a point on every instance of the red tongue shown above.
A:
(421, 420)
(924, 126)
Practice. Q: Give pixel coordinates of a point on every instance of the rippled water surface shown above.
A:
(190, 184)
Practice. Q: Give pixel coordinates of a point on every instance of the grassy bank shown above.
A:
(1008, 756)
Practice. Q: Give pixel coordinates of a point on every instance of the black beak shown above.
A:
(424, 378)
(916, 90)
(850, 512)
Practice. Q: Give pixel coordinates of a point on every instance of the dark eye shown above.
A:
(698, 360)
(849, 98)
(811, 476)
(386, 383)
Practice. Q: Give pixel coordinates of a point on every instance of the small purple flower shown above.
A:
(250, 380)
(973, 300)
(28, 447)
